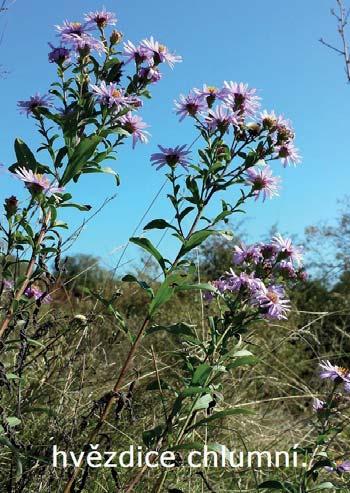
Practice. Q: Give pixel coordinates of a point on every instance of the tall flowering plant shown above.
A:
(236, 145)
(89, 111)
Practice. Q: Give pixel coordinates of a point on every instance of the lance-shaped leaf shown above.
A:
(150, 248)
(25, 159)
(80, 157)
(195, 240)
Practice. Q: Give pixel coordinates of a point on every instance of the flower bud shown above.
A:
(11, 206)
(115, 37)
(254, 128)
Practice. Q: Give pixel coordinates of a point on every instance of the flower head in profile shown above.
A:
(37, 183)
(160, 53)
(221, 118)
(241, 98)
(112, 96)
(263, 182)
(101, 18)
(337, 374)
(339, 467)
(37, 294)
(318, 405)
(190, 105)
(171, 156)
(58, 54)
(150, 73)
(136, 52)
(34, 103)
(288, 154)
(136, 127)
(286, 249)
(272, 302)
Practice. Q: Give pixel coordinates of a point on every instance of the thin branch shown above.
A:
(342, 16)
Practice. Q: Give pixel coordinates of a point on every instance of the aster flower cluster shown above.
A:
(259, 274)
(77, 42)
(235, 107)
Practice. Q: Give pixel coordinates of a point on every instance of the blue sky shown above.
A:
(272, 45)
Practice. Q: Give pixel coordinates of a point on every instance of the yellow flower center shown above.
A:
(272, 296)
(116, 93)
(212, 89)
(344, 372)
(161, 48)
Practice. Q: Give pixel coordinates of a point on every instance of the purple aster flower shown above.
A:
(272, 301)
(339, 466)
(190, 105)
(69, 29)
(160, 52)
(135, 126)
(263, 182)
(286, 249)
(138, 53)
(288, 154)
(241, 99)
(86, 43)
(210, 94)
(58, 54)
(268, 251)
(35, 102)
(272, 122)
(151, 73)
(37, 183)
(101, 18)
(287, 269)
(318, 405)
(246, 281)
(335, 373)
(248, 254)
(112, 96)
(221, 118)
(171, 156)
(37, 294)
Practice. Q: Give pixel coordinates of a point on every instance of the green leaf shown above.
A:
(203, 402)
(242, 361)
(194, 391)
(327, 485)
(201, 374)
(195, 240)
(164, 294)
(272, 485)
(175, 329)
(81, 207)
(26, 159)
(142, 284)
(150, 248)
(13, 421)
(197, 287)
(82, 153)
(158, 224)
